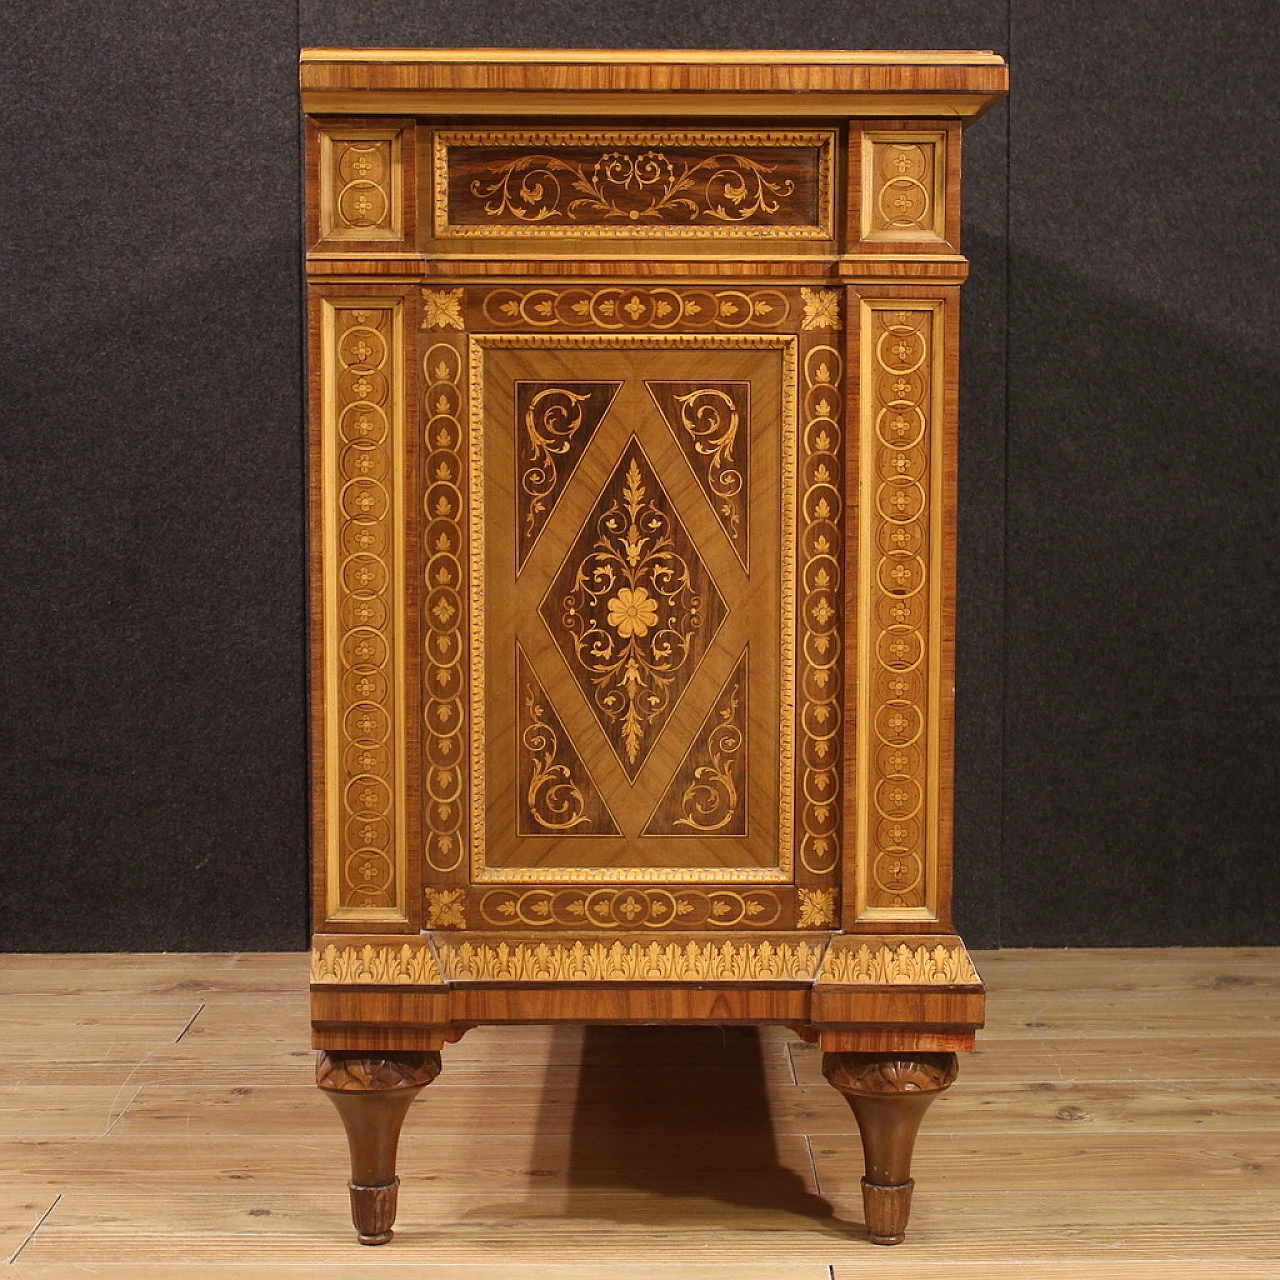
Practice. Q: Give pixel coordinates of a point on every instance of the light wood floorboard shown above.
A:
(1121, 1121)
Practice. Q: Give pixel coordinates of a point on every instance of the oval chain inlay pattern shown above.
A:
(821, 726)
(366, 591)
(444, 633)
(631, 908)
(899, 494)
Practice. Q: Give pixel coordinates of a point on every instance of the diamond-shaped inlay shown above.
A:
(633, 608)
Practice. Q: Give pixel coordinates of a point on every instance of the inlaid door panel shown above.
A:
(633, 516)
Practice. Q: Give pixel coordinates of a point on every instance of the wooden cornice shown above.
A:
(960, 84)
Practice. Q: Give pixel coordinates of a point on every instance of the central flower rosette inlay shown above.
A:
(633, 609)
(633, 612)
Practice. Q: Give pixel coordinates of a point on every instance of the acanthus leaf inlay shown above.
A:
(555, 422)
(558, 795)
(707, 796)
(711, 422)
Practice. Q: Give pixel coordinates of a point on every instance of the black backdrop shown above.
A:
(1117, 671)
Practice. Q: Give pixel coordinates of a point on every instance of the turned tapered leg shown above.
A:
(373, 1093)
(889, 1094)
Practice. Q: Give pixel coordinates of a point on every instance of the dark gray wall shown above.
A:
(1117, 676)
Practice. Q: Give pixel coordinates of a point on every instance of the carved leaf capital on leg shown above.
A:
(889, 1094)
(373, 1093)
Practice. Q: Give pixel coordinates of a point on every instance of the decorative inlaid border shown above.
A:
(361, 183)
(763, 961)
(904, 186)
(631, 908)
(786, 344)
(615, 308)
(884, 964)
(870, 964)
(820, 725)
(363, 556)
(899, 608)
(369, 965)
(821, 229)
(444, 605)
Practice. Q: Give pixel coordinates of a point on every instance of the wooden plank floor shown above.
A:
(158, 1121)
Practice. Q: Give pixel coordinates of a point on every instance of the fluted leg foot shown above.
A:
(889, 1094)
(373, 1093)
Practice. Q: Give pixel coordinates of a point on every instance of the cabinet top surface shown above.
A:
(706, 57)
(956, 83)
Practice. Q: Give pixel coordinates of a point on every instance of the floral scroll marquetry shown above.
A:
(903, 186)
(899, 625)
(598, 182)
(633, 609)
(707, 796)
(632, 908)
(558, 796)
(555, 422)
(726, 961)
(363, 547)
(711, 422)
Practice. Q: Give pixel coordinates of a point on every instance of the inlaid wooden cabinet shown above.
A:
(633, 436)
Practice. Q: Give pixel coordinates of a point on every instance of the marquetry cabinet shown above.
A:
(633, 467)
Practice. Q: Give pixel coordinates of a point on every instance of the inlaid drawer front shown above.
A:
(603, 183)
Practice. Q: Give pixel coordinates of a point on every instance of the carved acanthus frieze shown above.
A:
(883, 964)
(366, 964)
(630, 961)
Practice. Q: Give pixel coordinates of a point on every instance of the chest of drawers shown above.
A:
(633, 442)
